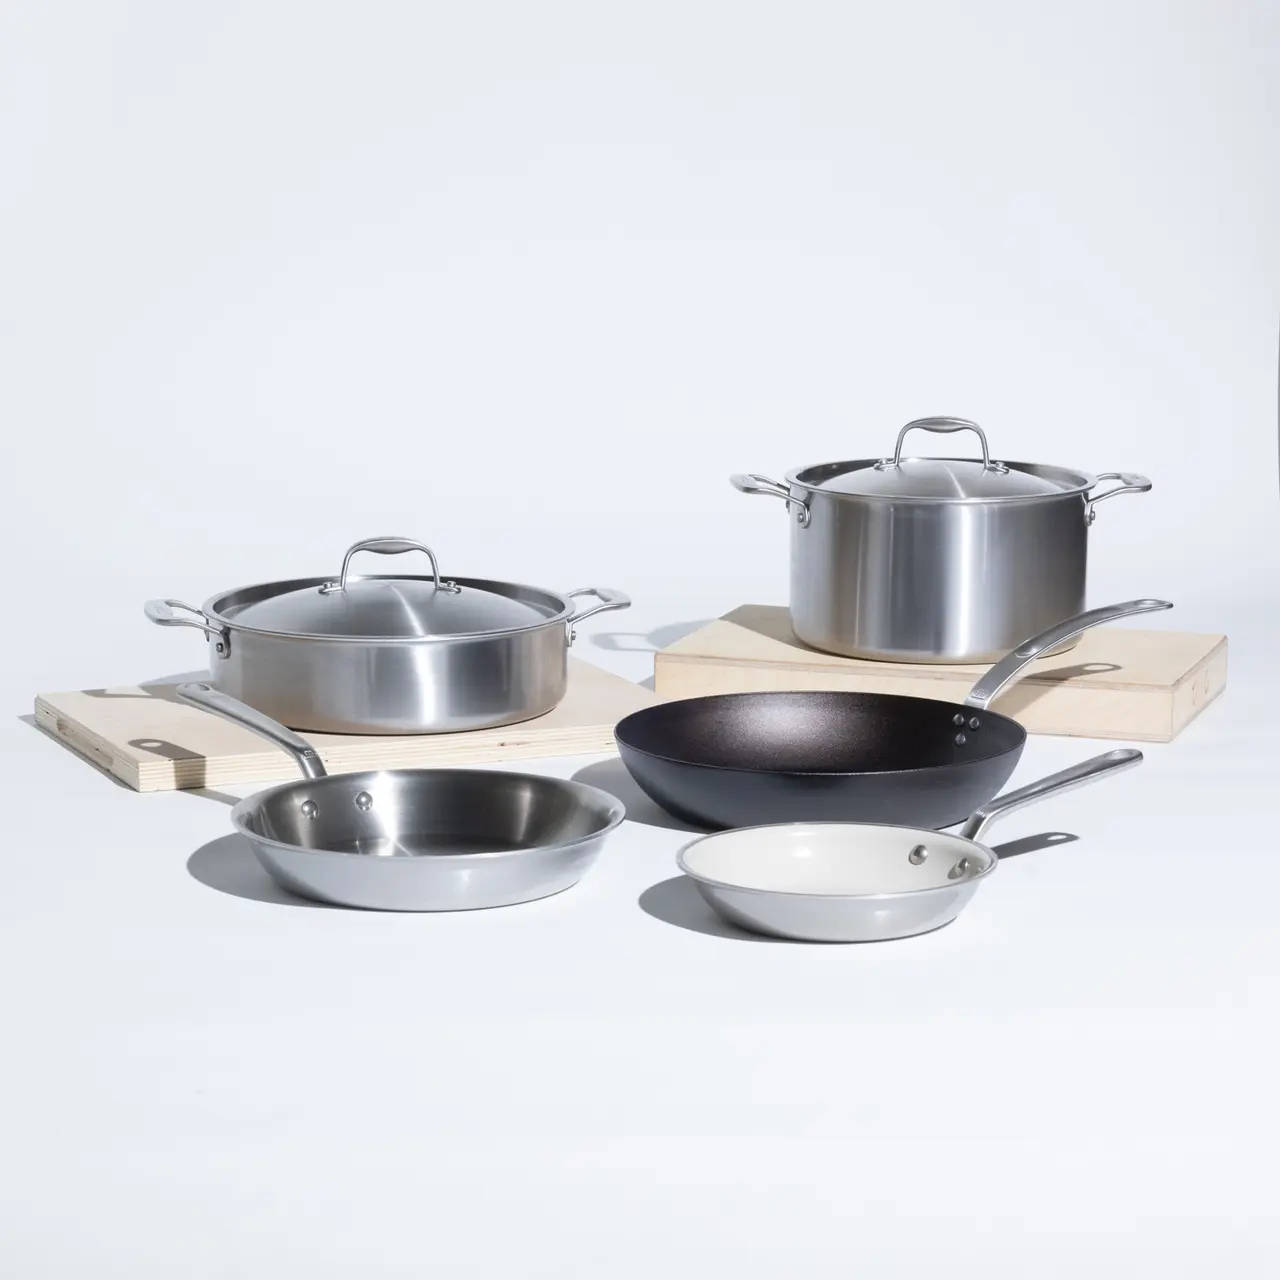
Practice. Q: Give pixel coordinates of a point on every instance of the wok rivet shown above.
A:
(959, 869)
(975, 723)
(310, 809)
(960, 739)
(957, 720)
(917, 855)
(364, 802)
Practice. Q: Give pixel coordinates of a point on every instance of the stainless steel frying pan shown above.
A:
(415, 839)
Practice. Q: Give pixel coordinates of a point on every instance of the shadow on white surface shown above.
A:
(612, 777)
(161, 687)
(227, 864)
(646, 641)
(678, 903)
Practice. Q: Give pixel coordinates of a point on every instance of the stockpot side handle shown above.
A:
(388, 547)
(207, 698)
(608, 597)
(161, 612)
(1012, 665)
(1078, 775)
(946, 425)
(757, 485)
(1129, 482)
(754, 484)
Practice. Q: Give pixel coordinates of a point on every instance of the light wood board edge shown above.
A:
(93, 748)
(925, 674)
(1052, 708)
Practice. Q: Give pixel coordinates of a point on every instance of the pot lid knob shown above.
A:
(947, 425)
(388, 547)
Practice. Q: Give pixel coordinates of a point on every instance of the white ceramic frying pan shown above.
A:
(861, 882)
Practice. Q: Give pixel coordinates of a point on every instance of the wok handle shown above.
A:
(388, 547)
(751, 483)
(1078, 775)
(1012, 665)
(609, 599)
(1130, 482)
(207, 698)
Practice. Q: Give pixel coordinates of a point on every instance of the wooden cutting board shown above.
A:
(1144, 686)
(152, 742)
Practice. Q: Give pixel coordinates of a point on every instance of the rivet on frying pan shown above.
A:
(917, 855)
(960, 869)
(957, 720)
(975, 723)
(960, 739)
(364, 802)
(310, 809)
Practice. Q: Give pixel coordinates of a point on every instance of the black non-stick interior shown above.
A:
(746, 758)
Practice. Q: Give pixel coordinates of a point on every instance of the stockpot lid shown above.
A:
(947, 479)
(388, 607)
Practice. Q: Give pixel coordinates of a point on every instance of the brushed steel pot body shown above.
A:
(942, 582)
(395, 687)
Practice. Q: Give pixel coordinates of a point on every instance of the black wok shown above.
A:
(746, 759)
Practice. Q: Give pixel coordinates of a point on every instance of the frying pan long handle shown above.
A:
(207, 698)
(1012, 665)
(1079, 775)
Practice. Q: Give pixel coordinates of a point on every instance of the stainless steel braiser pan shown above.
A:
(936, 559)
(387, 654)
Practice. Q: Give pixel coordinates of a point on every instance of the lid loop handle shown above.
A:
(945, 425)
(388, 547)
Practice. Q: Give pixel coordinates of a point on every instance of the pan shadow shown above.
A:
(646, 641)
(171, 751)
(678, 903)
(162, 687)
(227, 864)
(611, 776)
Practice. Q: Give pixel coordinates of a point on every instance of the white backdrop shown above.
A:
(528, 282)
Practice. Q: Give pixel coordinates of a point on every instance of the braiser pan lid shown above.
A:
(954, 479)
(388, 607)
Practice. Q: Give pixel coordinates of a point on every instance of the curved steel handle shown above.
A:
(1011, 666)
(945, 425)
(1130, 482)
(750, 482)
(609, 599)
(161, 613)
(207, 698)
(1078, 775)
(389, 547)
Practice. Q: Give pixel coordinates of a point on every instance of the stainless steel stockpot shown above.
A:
(390, 655)
(936, 559)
